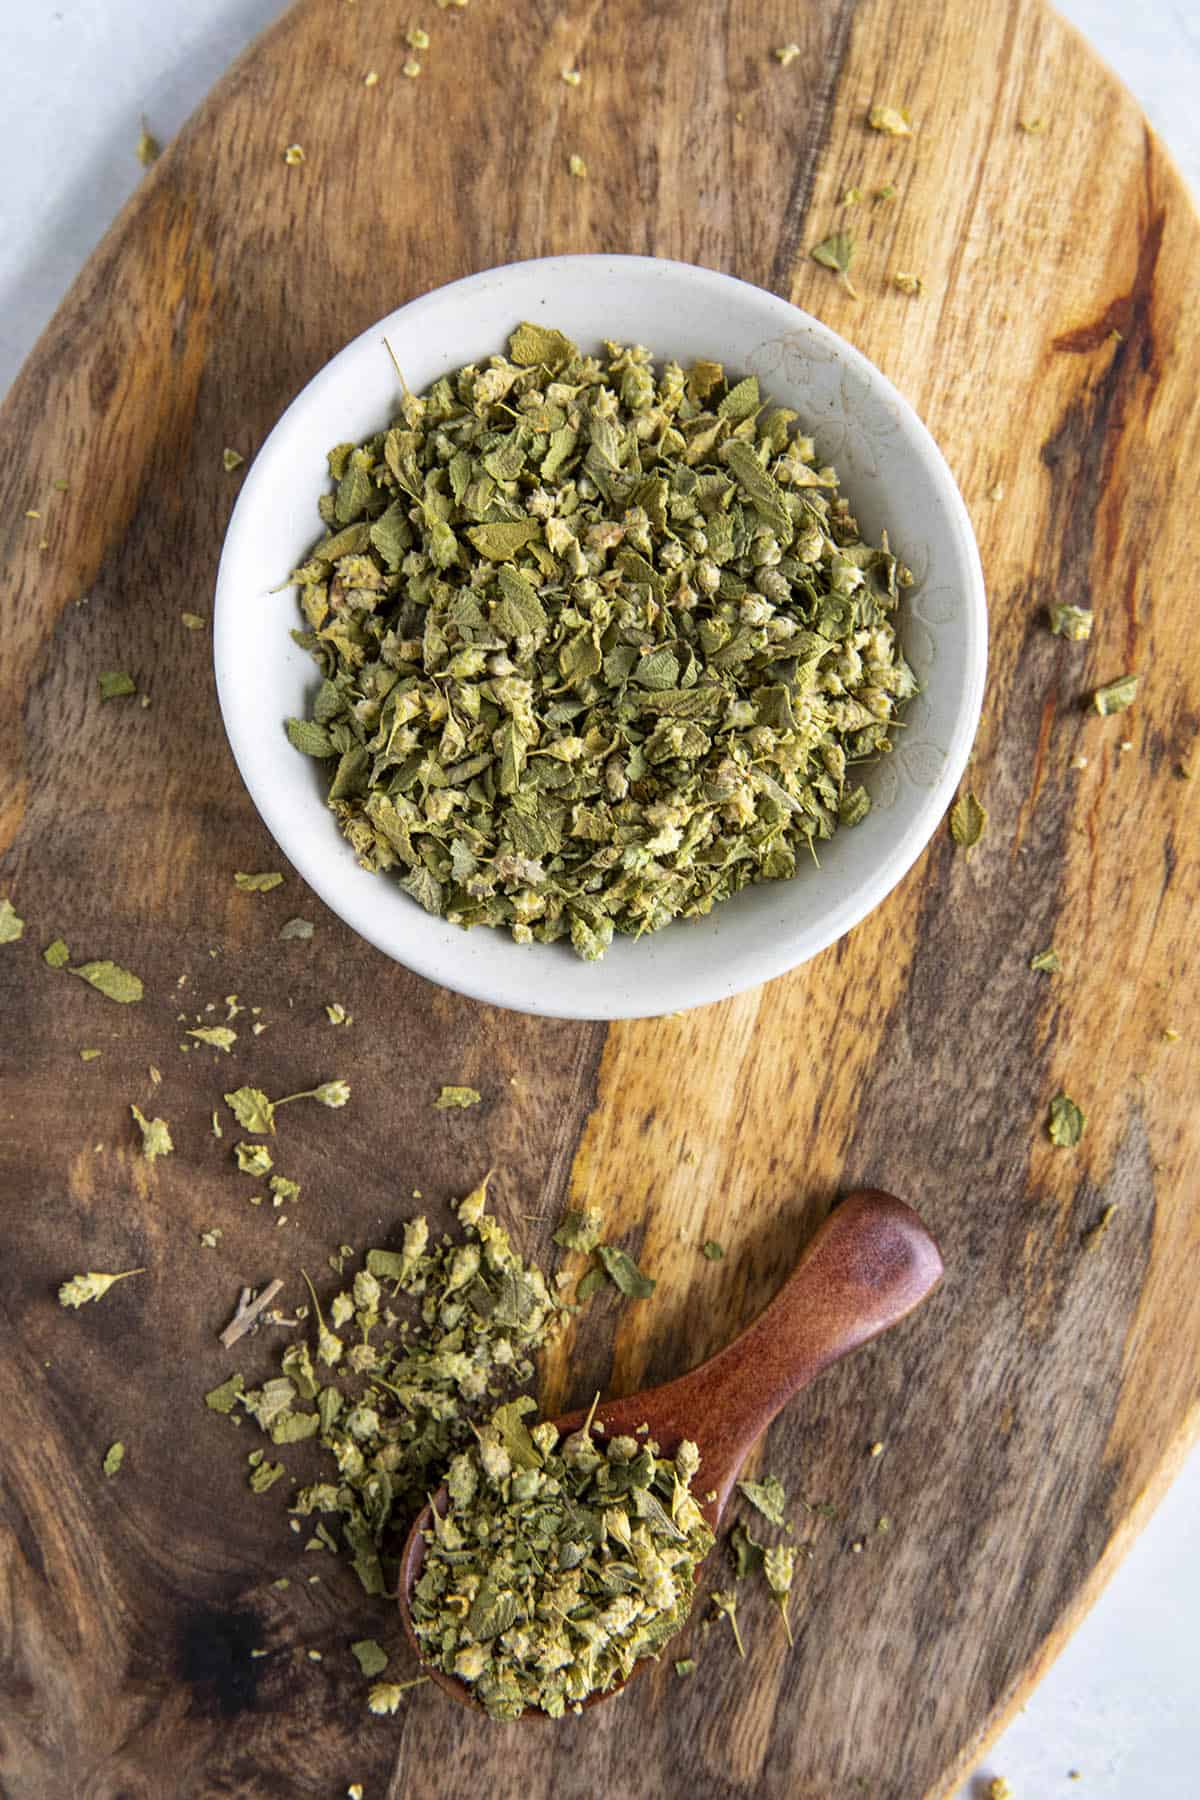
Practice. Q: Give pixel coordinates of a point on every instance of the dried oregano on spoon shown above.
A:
(557, 1565)
(600, 645)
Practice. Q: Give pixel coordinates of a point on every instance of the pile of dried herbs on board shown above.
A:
(600, 645)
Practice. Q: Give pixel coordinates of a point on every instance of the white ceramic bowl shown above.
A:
(896, 479)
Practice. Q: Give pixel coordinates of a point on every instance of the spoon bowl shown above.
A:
(867, 1267)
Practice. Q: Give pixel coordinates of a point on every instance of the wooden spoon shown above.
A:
(870, 1264)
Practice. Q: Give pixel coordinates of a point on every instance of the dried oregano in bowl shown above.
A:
(600, 645)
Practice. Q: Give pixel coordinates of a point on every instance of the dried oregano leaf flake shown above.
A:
(600, 643)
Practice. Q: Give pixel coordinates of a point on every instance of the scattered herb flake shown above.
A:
(572, 77)
(221, 1037)
(837, 253)
(912, 285)
(232, 459)
(253, 1159)
(712, 1250)
(685, 1667)
(193, 621)
(1073, 622)
(109, 979)
(968, 821)
(114, 684)
(264, 1475)
(1116, 696)
(257, 884)
(114, 1456)
(156, 1135)
(251, 1108)
(92, 1286)
(579, 1230)
(577, 167)
(589, 1283)
(768, 1496)
(385, 1696)
(297, 928)
(620, 1268)
(336, 1013)
(892, 120)
(779, 1567)
(787, 53)
(371, 1657)
(1066, 1122)
(89, 1055)
(746, 1552)
(56, 955)
(725, 1604)
(293, 156)
(450, 1097)
(147, 149)
(1046, 962)
(11, 924)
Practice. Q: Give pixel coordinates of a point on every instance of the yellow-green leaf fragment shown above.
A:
(89, 1055)
(253, 1159)
(308, 736)
(712, 1250)
(385, 1696)
(114, 684)
(156, 1135)
(1074, 622)
(147, 149)
(257, 884)
(336, 1013)
(221, 1037)
(909, 284)
(92, 1286)
(114, 1456)
(457, 1097)
(533, 346)
(109, 979)
(252, 1109)
(968, 821)
(371, 1657)
(767, 1496)
(725, 1603)
(1116, 696)
(264, 1475)
(223, 1399)
(836, 253)
(579, 1230)
(300, 929)
(685, 1666)
(779, 1567)
(193, 621)
(620, 1268)
(56, 955)
(786, 53)
(590, 1283)
(1066, 1123)
(892, 120)
(11, 924)
(230, 459)
(577, 167)
(1046, 962)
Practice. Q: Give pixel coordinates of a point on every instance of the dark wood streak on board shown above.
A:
(1028, 1411)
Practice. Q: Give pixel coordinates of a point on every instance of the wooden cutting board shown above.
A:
(1033, 1410)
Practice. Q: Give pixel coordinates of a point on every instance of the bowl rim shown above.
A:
(786, 951)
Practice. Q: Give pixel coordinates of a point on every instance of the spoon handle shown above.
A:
(870, 1263)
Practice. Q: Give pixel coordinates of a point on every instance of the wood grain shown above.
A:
(1032, 1409)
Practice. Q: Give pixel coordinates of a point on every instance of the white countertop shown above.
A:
(1122, 1704)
